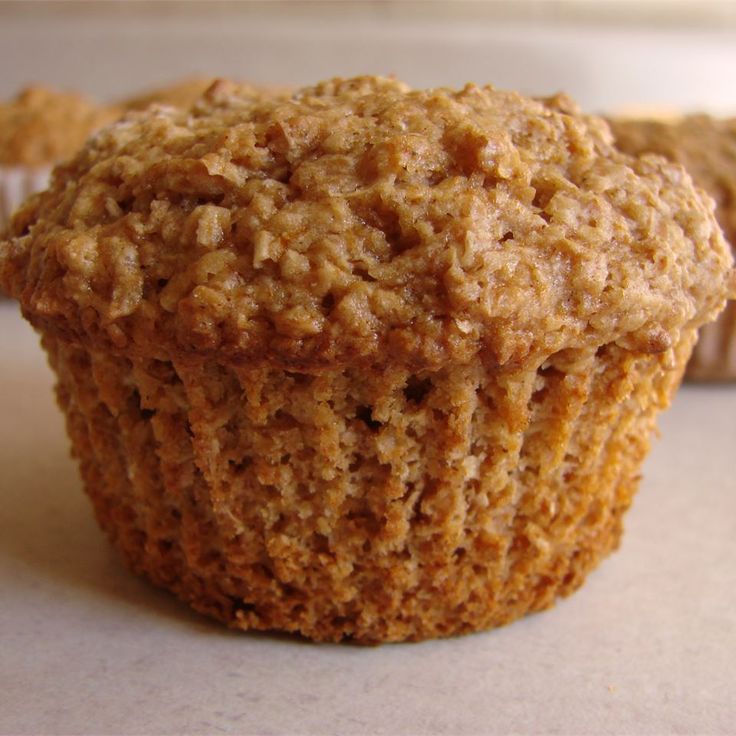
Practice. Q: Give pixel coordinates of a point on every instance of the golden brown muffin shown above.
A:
(371, 362)
(182, 93)
(186, 92)
(706, 147)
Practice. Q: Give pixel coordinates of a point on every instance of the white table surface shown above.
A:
(648, 645)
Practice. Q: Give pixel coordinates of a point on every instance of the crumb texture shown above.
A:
(376, 506)
(361, 220)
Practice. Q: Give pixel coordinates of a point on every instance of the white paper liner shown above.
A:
(17, 183)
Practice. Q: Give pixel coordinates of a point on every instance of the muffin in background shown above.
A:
(38, 128)
(182, 93)
(185, 92)
(706, 147)
(369, 362)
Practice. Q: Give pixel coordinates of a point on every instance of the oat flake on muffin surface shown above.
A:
(368, 362)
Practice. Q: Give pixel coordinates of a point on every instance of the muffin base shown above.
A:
(372, 504)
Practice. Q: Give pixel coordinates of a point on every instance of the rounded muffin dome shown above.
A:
(362, 220)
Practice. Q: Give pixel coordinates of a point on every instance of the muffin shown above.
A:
(185, 92)
(706, 147)
(182, 93)
(38, 128)
(370, 362)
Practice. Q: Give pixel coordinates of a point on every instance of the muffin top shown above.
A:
(705, 146)
(360, 220)
(41, 126)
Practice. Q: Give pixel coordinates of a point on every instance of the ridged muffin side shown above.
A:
(378, 505)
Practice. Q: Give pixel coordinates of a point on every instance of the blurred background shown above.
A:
(609, 55)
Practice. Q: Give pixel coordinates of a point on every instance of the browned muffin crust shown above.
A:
(360, 220)
(41, 126)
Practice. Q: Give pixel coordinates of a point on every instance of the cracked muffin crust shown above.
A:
(706, 147)
(367, 362)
